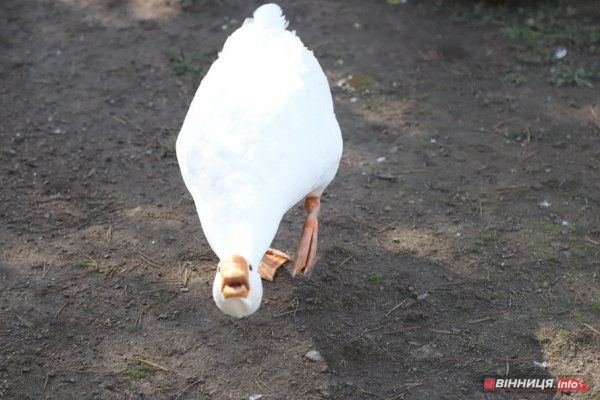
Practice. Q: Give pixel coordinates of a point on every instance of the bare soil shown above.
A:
(459, 240)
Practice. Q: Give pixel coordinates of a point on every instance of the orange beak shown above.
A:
(234, 276)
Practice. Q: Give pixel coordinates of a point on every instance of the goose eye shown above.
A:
(250, 267)
(218, 269)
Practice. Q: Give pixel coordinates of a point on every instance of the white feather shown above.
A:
(269, 16)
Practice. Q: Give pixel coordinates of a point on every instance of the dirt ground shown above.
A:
(459, 240)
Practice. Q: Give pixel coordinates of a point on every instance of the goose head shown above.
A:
(237, 288)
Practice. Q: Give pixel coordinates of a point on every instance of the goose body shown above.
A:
(260, 136)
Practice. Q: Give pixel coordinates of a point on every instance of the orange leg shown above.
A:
(305, 253)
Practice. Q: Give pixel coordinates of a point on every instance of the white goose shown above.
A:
(260, 135)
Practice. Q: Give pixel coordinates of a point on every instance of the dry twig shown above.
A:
(8, 246)
(257, 379)
(149, 260)
(475, 321)
(150, 363)
(27, 323)
(526, 358)
(45, 291)
(138, 323)
(82, 289)
(587, 239)
(399, 305)
(109, 234)
(447, 360)
(387, 352)
(527, 157)
(59, 310)
(444, 332)
(367, 392)
(45, 270)
(493, 313)
(48, 375)
(288, 312)
(499, 124)
(111, 272)
(180, 394)
(590, 327)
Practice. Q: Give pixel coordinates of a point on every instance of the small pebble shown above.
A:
(423, 296)
(314, 355)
